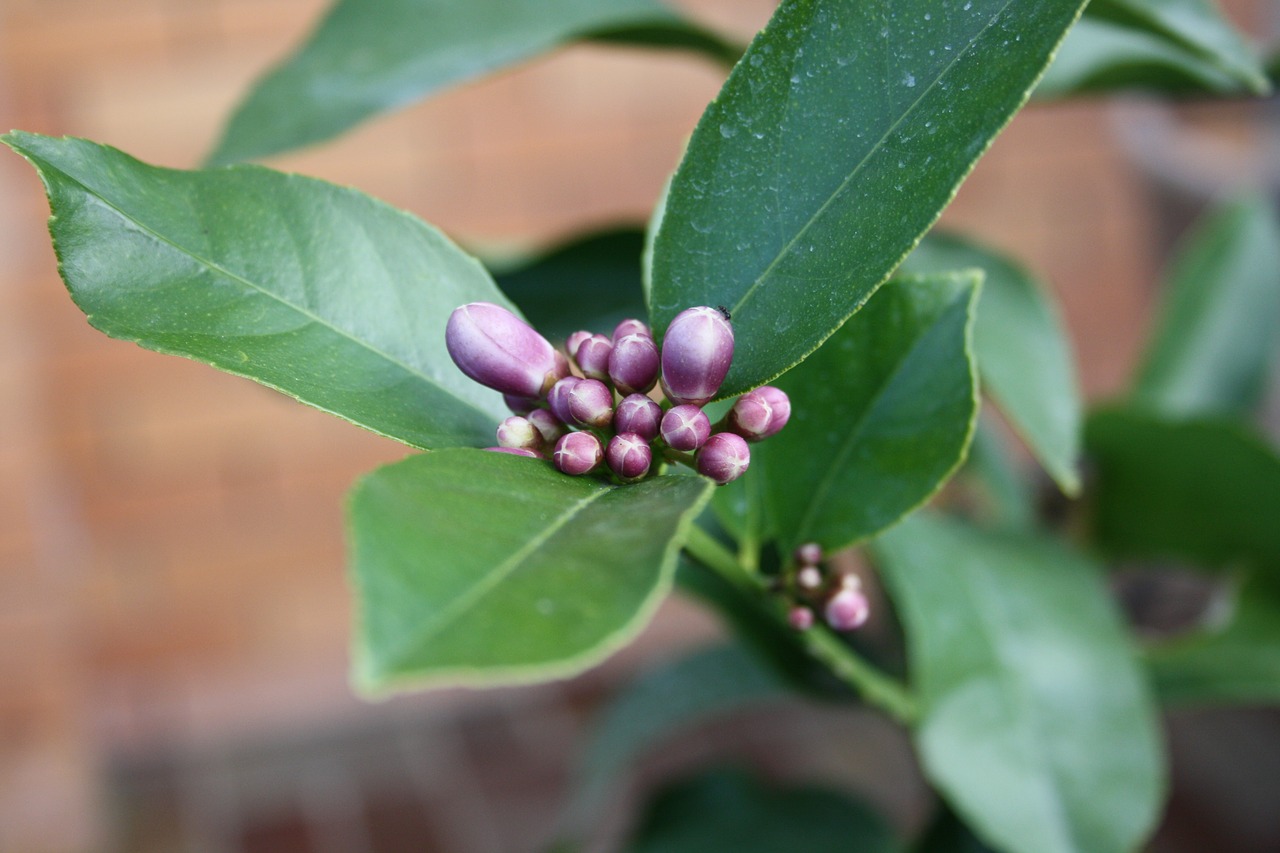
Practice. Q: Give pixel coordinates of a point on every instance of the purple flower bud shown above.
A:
(498, 349)
(696, 352)
(591, 403)
(516, 451)
(781, 405)
(593, 357)
(633, 364)
(518, 432)
(638, 414)
(724, 457)
(847, 609)
(574, 341)
(577, 453)
(809, 578)
(547, 425)
(808, 554)
(631, 327)
(558, 398)
(629, 455)
(800, 618)
(685, 428)
(750, 416)
(520, 405)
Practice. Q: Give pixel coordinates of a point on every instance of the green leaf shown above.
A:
(315, 290)
(1220, 322)
(590, 283)
(881, 417)
(724, 810)
(371, 56)
(1037, 726)
(687, 692)
(833, 146)
(1236, 661)
(1007, 497)
(1023, 355)
(519, 574)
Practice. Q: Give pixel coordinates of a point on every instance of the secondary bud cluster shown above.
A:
(813, 590)
(600, 408)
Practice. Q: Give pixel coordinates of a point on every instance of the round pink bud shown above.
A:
(633, 364)
(800, 618)
(847, 609)
(577, 453)
(781, 405)
(751, 416)
(724, 458)
(591, 403)
(808, 554)
(696, 353)
(574, 341)
(520, 405)
(547, 425)
(518, 432)
(631, 326)
(558, 398)
(629, 455)
(516, 451)
(593, 357)
(809, 578)
(638, 414)
(498, 349)
(685, 428)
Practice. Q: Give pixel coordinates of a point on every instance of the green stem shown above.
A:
(677, 456)
(875, 686)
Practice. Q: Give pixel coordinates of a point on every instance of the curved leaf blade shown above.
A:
(833, 146)
(1036, 724)
(1022, 350)
(371, 56)
(312, 289)
(521, 574)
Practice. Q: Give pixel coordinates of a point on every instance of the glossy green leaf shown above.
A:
(1037, 725)
(1220, 323)
(370, 56)
(483, 568)
(881, 416)
(316, 290)
(833, 146)
(1023, 355)
(1236, 661)
(1205, 490)
(589, 283)
(690, 691)
(729, 811)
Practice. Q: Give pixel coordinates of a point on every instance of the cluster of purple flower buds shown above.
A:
(597, 406)
(839, 597)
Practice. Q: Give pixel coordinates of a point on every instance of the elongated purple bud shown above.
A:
(548, 425)
(638, 414)
(724, 458)
(629, 455)
(518, 432)
(685, 428)
(750, 416)
(574, 341)
(696, 353)
(847, 609)
(781, 405)
(520, 405)
(631, 326)
(808, 554)
(591, 403)
(593, 357)
(800, 618)
(516, 451)
(577, 453)
(558, 398)
(633, 364)
(498, 349)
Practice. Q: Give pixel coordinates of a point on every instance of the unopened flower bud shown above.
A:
(631, 326)
(593, 357)
(847, 609)
(577, 453)
(800, 618)
(685, 428)
(520, 405)
(781, 405)
(808, 554)
(516, 451)
(696, 353)
(638, 414)
(518, 432)
(628, 455)
(498, 349)
(548, 425)
(633, 364)
(558, 398)
(724, 457)
(809, 578)
(750, 416)
(574, 341)
(591, 403)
